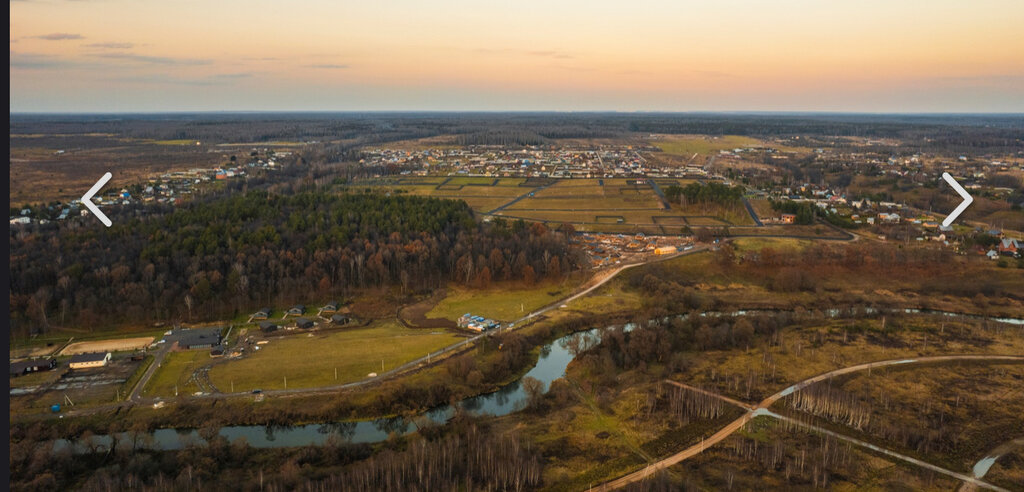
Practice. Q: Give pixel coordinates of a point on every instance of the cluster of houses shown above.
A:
(167, 188)
(77, 362)
(1006, 247)
(530, 161)
(477, 323)
(338, 316)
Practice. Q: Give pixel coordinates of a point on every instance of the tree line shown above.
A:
(219, 257)
(465, 455)
(694, 193)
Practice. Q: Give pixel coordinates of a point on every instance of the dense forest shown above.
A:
(953, 133)
(226, 255)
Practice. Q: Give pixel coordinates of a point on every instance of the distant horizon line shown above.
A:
(525, 111)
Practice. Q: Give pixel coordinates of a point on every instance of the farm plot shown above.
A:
(112, 345)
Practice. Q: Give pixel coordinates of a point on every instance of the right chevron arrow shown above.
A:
(968, 199)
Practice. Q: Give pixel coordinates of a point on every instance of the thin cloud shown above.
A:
(153, 60)
(549, 54)
(218, 79)
(40, 62)
(60, 36)
(711, 73)
(160, 79)
(240, 75)
(111, 46)
(328, 66)
(534, 53)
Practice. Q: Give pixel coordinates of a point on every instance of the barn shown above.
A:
(89, 361)
(198, 338)
(32, 365)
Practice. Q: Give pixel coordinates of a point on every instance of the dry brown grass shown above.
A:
(112, 345)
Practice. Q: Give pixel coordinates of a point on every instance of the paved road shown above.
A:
(158, 359)
(753, 215)
(726, 431)
(661, 194)
(520, 197)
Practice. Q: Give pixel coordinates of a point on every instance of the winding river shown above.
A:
(551, 365)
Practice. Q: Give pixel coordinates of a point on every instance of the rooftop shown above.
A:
(96, 357)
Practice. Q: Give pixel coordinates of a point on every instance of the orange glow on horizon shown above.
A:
(934, 56)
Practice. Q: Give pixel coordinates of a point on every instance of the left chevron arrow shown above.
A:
(87, 199)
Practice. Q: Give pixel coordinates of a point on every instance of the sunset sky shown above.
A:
(638, 55)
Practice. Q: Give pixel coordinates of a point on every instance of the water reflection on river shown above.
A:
(551, 365)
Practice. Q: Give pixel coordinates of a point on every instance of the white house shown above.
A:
(88, 361)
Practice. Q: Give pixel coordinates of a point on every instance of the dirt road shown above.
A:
(726, 431)
(967, 479)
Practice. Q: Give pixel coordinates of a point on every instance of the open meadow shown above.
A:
(325, 358)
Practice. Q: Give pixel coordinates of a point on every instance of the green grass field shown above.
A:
(176, 369)
(689, 145)
(311, 361)
(502, 304)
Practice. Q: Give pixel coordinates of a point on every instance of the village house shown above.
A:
(32, 365)
(89, 361)
(329, 308)
(1010, 247)
(261, 314)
